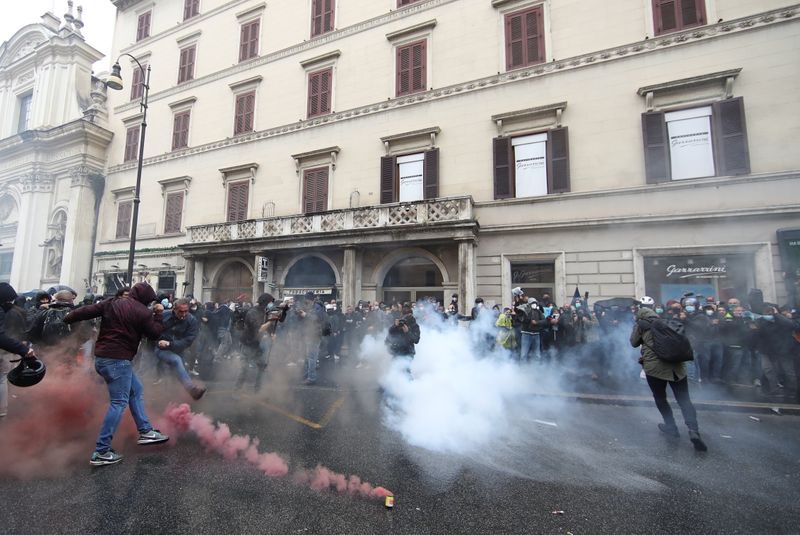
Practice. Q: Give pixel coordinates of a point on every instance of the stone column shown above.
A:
(188, 275)
(199, 276)
(466, 275)
(77, 260)
(351, 276)
(34, 214)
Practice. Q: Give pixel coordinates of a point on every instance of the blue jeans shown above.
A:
(530, 341)
(175, 360)
(124, 390)
(312, 352)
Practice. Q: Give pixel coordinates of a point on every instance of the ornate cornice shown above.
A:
(586, 60)
(83, 175)
(36, 182)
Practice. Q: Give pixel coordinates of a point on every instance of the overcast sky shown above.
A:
(98, 19)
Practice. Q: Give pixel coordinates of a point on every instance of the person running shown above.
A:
(180, 331)
(660, 373)
(124, 321)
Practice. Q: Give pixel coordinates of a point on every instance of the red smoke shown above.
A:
(179, 420)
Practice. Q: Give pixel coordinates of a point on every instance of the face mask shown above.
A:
(270, 305)
(659, 311)
(690, 309)
(577, 305)
(709, 312)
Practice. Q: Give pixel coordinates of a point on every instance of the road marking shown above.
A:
(325, 420)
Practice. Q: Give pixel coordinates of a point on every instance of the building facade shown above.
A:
(53, 144)
(395, 149)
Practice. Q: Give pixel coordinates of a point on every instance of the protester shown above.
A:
(403, 335)
(12, 326)
(660, 373)
(255, 346)
(124, 321)
(180, 332)
(313, 324)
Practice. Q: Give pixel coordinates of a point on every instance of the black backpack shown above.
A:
(54, 329)
(670, 344)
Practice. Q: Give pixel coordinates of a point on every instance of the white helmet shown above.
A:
(647, 301)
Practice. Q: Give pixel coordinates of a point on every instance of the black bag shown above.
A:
(670, 344)
(54, 329)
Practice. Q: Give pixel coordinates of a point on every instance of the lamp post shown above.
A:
(114, 81)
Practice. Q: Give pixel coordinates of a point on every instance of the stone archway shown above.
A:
(311, 272)
(233, 279)
(410, 274)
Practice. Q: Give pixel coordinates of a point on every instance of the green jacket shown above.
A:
(652, 365)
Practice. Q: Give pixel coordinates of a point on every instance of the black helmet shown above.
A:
(27, 373)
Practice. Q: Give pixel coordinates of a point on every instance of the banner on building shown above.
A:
(530, 165)
(410, 170)
(690, 146)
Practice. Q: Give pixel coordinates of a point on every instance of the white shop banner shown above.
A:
(690, 147)
(530, 164)
(411, 175)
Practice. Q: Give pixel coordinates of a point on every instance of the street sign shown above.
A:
(262, 264)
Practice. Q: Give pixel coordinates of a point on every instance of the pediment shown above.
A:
(23, 43)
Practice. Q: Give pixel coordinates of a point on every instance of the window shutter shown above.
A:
(180, 131)
(431, 174)
(388, 172)
(558, 160)
(322, 16)
(656, 147)
(730, 137)
(692, 13)
(515, 55)
(186, 68)
(245, 111)
(665, 16)
(249, 108)
(124, 219)
(503, 178)
(136, 83)
(244, 38)
(319, 92)
(313, 94)
(131, 143)
(327, 17)
(534, 37)
(238, 124)
(403, 70)
(237, 201)
(255, 30)
(190, 8)
(174, 212)
(143, 26)
(419, 77)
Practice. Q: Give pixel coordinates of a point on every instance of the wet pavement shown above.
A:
(605, 466)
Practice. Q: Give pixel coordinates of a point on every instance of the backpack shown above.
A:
(670, 344)
(54, 329)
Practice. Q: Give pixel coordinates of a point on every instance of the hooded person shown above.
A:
(12, 325)
(660, 373)
(256, 341)
(124, 321)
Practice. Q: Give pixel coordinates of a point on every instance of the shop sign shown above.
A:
(303, 291)
(713, 271)
(262, 263)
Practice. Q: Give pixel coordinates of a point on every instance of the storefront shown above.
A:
(789, 245)
(535, 278)
(718, 276)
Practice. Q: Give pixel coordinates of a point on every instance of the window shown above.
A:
(315, 190)
(248, 41)
(524, 38)
(531, 165)
(244, 113)
(186, 64)
(143, 26)
(191, 8)
(24, 112)
(132, 144)
(401, 3)
(5, 266)
(180, 130)
(676, 15)
(721, 276)
(322, 16)
(411, 68)
(411, 177)
(238, 193)
(697, 142)
(319, 92)
(124, 212)
(137, 82)
(173, 218)
(535, 278)
(166, 281)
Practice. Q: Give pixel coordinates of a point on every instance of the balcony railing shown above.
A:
(442, 210)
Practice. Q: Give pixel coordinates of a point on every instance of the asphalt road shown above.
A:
(606, 467)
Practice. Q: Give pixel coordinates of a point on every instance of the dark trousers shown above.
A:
(681, 391)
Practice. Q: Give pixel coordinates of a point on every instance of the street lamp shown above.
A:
(115, 82)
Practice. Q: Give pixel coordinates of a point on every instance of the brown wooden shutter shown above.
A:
(534, 37)
(186, 68)
(430, 176)
(249, 111)
(132, 143)
(558, 160)
(238, 193)
(730, 137)
(319, 92)
(180, 130)
(665, 16)
(137, 89)
(143, 26)
(244, 39)
(503, 176)
(124, 210)
(524, 38)
(255, 30)
(315, 190)
(388, 179)
(403, 85)
(656, 147)
(693, 13)
(322, 12)
(174, 212)
(419, 59)
(190, 8)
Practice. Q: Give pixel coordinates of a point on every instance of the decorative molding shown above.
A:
(123, 192)
(251, 11)
(170, 183)
(528, 113)
(727, 76)
(184, 102)
(36, 182)
(328, 56)
(250, 167)
(331, 152)
(245, 84)
(520, 75)
(128, 121)
(406, 32)
(432, 131)
(189, 38)
(82, 175)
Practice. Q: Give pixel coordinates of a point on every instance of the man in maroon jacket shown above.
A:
(124, 321)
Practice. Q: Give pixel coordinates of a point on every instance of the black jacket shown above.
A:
(402, 343)
(179, 333)
(7, 343)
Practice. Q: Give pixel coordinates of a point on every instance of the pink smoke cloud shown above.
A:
(179, 420)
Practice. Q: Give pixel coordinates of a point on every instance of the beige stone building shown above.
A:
(53, 144)
(395, 149)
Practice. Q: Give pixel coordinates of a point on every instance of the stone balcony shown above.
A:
(441, 213)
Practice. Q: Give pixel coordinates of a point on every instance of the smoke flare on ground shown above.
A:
(178, 420)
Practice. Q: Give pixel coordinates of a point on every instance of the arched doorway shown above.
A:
(310, 273)
(233, 281)
(412, 279)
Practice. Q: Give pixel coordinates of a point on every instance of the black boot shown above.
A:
(699, 445)
(669, 430)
